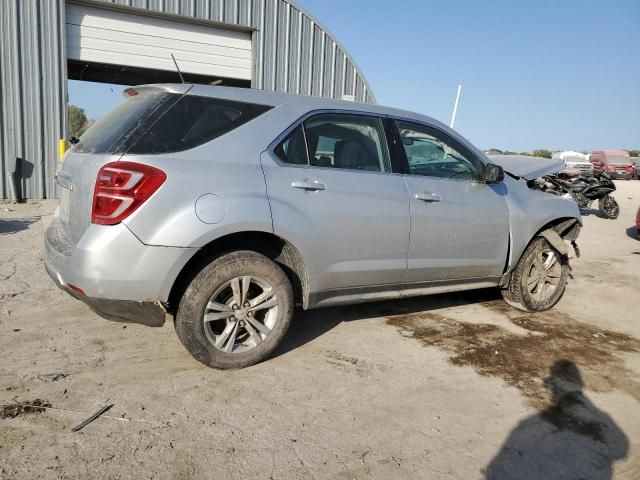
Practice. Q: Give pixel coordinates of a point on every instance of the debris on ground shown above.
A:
(86, 422)
(14, 410)
(52, 377)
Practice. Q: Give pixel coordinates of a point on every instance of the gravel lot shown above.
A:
(448, 386)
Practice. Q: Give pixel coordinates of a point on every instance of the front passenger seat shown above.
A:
(348, 154)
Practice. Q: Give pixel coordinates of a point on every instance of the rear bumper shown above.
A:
(122, 278)
(145, 313)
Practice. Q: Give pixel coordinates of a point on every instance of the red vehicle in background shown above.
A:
(615, 163)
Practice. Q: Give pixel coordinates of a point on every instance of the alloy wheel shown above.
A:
(544, 275)
(241, 314)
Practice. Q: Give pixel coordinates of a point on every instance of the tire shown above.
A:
(225, 278)
(518, 292)
(609, 207)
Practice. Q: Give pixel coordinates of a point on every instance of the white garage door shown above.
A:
(114, 37)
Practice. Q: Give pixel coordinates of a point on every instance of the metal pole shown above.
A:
(455, 106)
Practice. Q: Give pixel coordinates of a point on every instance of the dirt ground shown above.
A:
(449, 386)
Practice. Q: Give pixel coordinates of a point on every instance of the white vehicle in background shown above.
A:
(576, 163)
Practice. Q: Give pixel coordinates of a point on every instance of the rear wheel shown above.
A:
(539, 280)
(236, 311)
(609, 207)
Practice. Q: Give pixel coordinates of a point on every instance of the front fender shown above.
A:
(530, 211)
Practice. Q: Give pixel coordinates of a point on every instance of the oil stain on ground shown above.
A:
(523, 361)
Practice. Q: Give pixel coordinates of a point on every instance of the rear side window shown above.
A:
(351, 142)
(345, 141)
(164, 123)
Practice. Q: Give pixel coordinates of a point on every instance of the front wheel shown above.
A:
(235, 311)
(539, 280)
(609, 207)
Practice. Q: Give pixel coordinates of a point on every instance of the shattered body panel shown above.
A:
(531, 210)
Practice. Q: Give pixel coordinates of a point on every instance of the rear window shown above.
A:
(164, 123)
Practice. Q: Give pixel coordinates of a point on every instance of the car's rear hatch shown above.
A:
(106, 141)
(77, 179)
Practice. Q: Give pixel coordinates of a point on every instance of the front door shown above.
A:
(459, 224)
(333, 196)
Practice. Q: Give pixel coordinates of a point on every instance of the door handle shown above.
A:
(314, 186)
(428, 197)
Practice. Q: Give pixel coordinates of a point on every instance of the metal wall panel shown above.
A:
(292, 52)
(33, 94)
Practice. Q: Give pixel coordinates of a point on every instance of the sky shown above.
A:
(535, 74)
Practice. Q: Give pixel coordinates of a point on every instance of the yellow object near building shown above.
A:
(62, 147)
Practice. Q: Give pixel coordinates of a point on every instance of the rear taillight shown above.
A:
(121, 187)
(78, 290)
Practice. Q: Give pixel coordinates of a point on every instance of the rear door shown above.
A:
(333, 195)
(459, 225)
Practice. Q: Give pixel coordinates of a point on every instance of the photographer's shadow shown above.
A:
(571, 439)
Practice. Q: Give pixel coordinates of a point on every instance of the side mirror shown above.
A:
(73, 140)
(493, 173)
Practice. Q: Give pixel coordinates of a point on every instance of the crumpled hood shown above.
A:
(527, 167)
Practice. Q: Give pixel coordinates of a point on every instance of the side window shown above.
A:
(293, 148)
(347, 141)
(431, 154)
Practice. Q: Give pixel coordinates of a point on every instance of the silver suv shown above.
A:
(225, 208)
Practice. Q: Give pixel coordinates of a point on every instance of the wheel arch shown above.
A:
(567, 228)
(276, 248)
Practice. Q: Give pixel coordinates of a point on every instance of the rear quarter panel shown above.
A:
(228, 167)
(529, 211)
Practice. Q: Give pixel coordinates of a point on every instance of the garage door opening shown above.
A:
(109, 48)
(132, 47)
(129, 75)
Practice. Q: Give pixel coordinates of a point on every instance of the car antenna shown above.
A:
(177, 68)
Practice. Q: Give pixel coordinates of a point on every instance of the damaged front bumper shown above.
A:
(557, 236)
(567, 231)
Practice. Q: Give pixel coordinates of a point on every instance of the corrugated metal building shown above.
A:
(265, 44)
